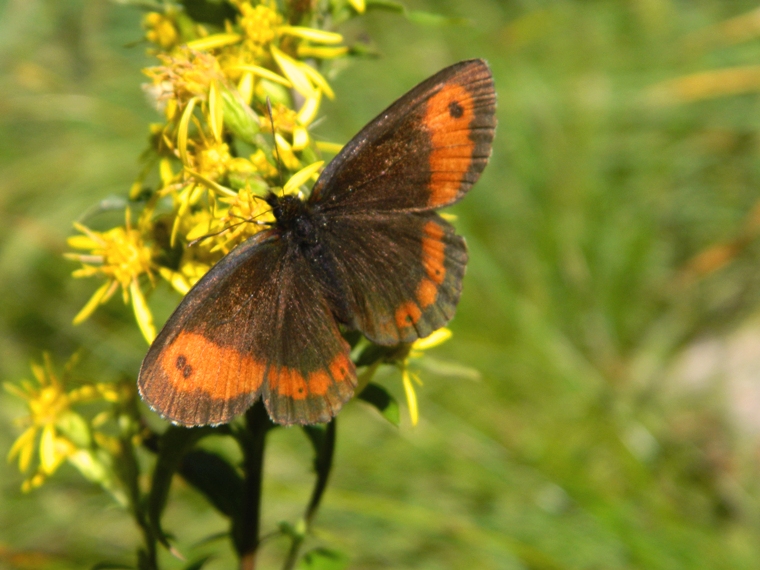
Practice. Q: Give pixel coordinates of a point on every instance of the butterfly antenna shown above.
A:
(242, 221)
(274, 139)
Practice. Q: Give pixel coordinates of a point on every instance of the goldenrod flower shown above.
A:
(53, 429)
(261, 163)
(185, 74)
(409, 378)
(121, 256)
(236, 217)
(212, 159)
(161, 29)
(259, 25)
(259, 43)
(295, 123)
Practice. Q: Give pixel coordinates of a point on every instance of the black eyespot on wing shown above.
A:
(455, 110)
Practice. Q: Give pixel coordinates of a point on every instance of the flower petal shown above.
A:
(308, 111)
(358, 5)
(98, 297)
(411, 397)
(318, 79)
(322, 52)
(24, 448)
(142, 312)
(438, 337)
(301, 177)
(264, 73)
(182, 129)
(294, 72)
(320, 36)
(49, 460)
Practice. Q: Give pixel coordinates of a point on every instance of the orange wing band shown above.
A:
(451, 156)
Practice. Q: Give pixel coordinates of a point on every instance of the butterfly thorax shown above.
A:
(295, 220)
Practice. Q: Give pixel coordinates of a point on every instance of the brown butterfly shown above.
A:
(366, 250)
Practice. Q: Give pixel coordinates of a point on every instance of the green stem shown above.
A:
(323, 465)
(127, 471)
(246, 531)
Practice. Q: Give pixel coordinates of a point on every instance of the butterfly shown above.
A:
(365, 251)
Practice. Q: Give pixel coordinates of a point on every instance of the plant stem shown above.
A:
(246, 535)
(323, 465)
(127, 469)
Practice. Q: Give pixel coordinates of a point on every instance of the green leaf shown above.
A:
(381, 399)
(173, 445)
(323, 559)
(215, 478)
(111, 566)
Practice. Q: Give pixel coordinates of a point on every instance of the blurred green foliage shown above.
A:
(606, 430)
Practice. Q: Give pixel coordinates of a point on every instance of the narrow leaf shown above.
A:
(215, 478)
(380, 398)
(174, 443)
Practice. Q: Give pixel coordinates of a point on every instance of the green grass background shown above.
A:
(612, 423)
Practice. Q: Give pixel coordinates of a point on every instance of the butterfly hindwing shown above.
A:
(246, 330)
(425, 151)
(400, 275)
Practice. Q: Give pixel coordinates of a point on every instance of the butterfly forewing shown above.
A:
(246, 329)
(425, 151)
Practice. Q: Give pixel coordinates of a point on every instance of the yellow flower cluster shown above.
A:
(58, 432)
(233, 102)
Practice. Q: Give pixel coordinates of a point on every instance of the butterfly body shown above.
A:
(366, 250)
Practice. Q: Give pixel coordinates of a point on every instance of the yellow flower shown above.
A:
(243, 218)
(263, 39)
(186, 74)
(409, 378)
(259, 25)
(161, 30)
(295, 123)
(121, 256)
(53, 428)
(212, 159)
(261, 163)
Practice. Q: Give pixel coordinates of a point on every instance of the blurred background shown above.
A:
(610, 305)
